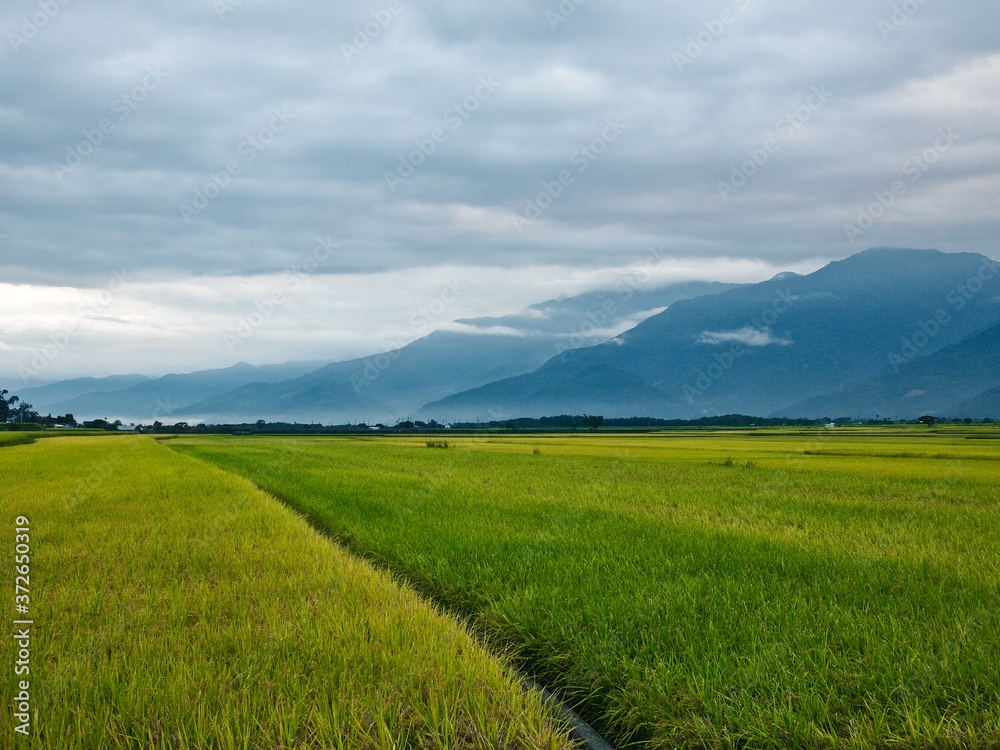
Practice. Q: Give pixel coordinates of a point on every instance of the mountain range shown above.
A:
(896, 333)
(892, 332)
(135, 397)
(382, 387)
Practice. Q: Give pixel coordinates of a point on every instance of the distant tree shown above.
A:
(14, 410)
(967, 420)
(69, 420)
(261, 424)
(23, 412)
(407, 425)
(509, 425)
(987, 420)
(928, 420)
(157, 425)
(5, 405)
(593, 422)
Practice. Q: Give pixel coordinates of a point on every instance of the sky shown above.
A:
(193, 183)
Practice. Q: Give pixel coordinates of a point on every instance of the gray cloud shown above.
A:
(704, 88)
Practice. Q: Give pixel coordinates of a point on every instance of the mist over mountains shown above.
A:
(135, 397)
(382, 387)
(896, 333)
(790, 346)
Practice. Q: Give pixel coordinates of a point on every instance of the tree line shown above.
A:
(18, 411)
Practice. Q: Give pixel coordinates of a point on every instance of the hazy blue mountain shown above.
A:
(980, 406)
(42, 397)
(395, 384)
(892, 332)
(159, 398)
(945, 383)
(763, 348)
(382, 387)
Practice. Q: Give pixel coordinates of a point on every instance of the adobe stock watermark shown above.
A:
(955, 301)
(422, 322)
(123, 107)
(784, 130)
(756, 333)
(901, 15)
(247, 152)
(31, 26)
(695, 46)
(498, 414)
(581, 158)
(372, 30)
(562, 14)
(164, 408)
(44, 356)
(598, 318)
(945, 484)
(452, 120)
(266, 307)
(915, 168)
(224, 7)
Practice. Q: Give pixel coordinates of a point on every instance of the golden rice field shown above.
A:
(175, 605)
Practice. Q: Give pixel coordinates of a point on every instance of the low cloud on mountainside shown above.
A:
(748, 336)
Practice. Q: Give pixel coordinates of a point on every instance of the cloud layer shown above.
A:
(218, 139)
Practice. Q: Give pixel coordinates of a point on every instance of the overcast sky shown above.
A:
(169, 169)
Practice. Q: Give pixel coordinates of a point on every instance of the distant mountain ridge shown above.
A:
(384, 386)
(766, 348)
(896, 333)
(954, 381)
(474, 352)
(155, 399)
(986, 404)
(44, 396)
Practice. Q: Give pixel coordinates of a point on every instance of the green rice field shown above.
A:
(15, 438)
(771, 589)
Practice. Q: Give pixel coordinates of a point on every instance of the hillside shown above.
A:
(763, 348)
(473, 352)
